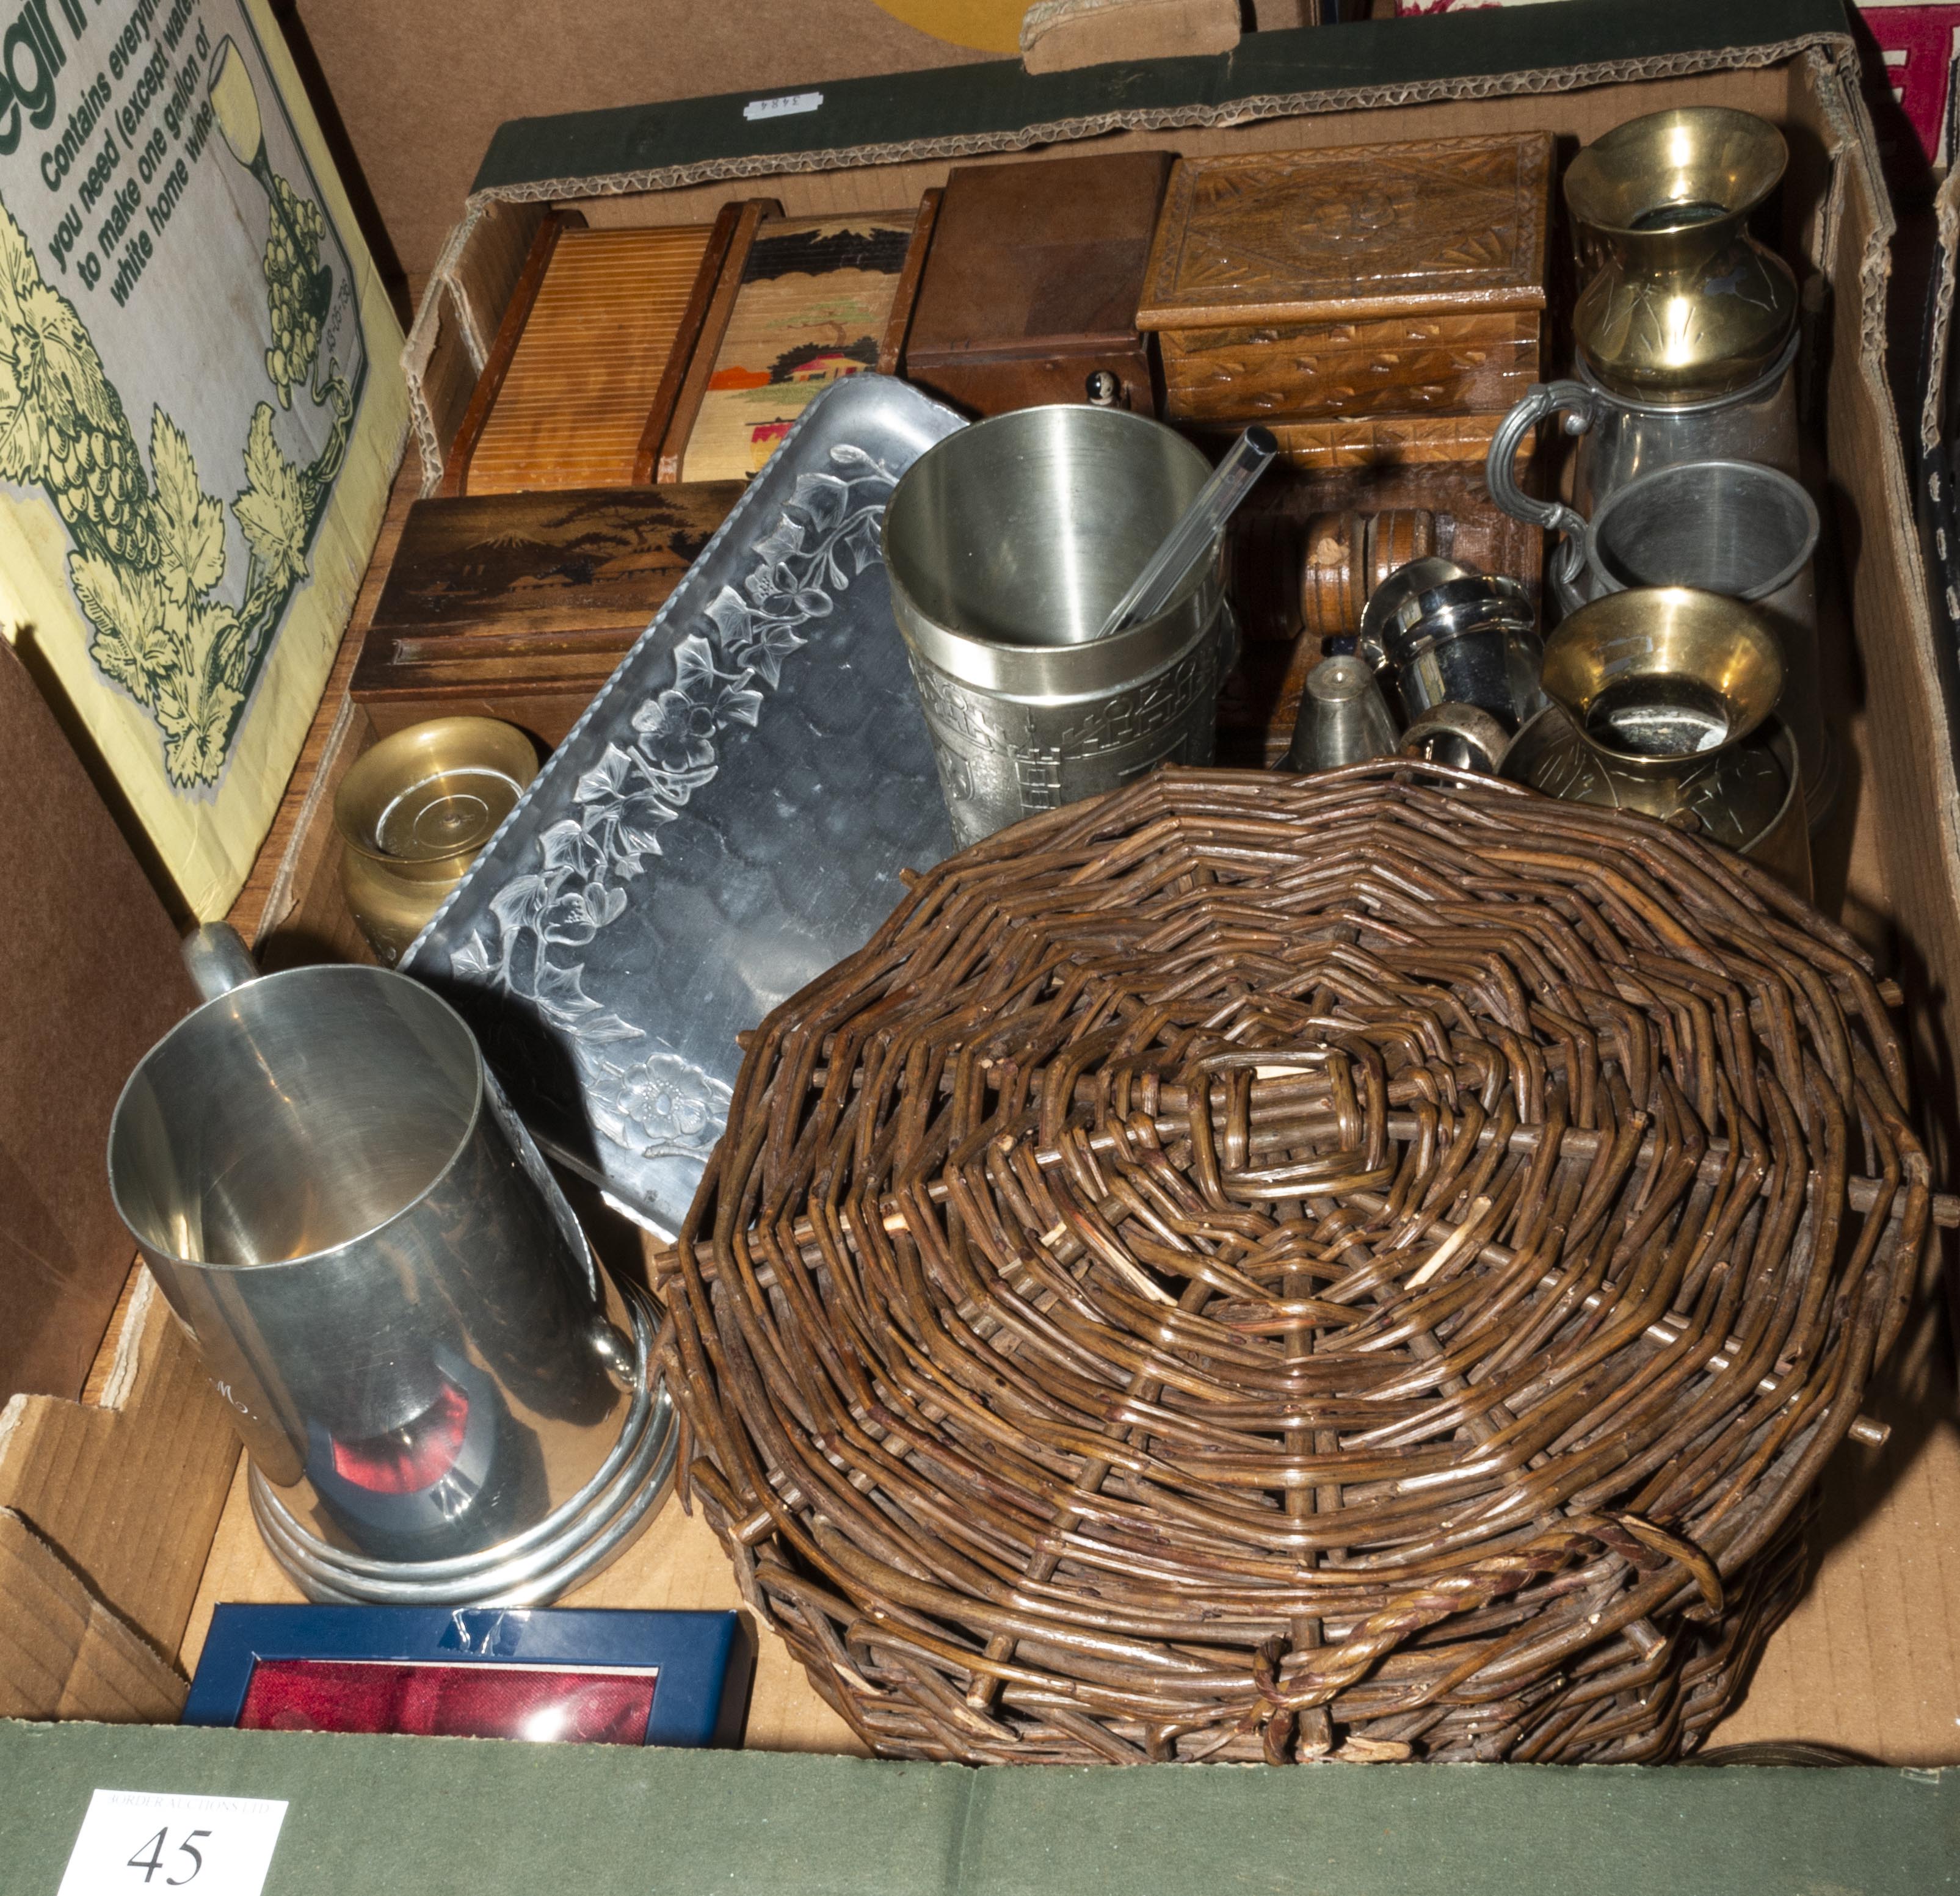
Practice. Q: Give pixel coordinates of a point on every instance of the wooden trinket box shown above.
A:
(520, 605)
(1030, 287)
(1382, 303)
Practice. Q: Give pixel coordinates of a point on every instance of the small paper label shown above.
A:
(787, 107)
(134, 1840)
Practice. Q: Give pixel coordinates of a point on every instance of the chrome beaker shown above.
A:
(444, 1397)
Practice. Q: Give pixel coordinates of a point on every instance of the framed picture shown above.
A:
(564, 1675)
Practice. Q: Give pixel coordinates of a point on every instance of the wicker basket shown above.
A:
(1264, 1267)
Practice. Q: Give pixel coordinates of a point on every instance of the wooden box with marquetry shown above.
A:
(1030, 286)
(1374, 304)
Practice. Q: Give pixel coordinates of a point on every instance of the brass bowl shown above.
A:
(413, 813)
(1655, 677)
(1685, 306)
(1747, 796)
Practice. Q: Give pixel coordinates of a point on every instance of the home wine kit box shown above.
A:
(121, 1519)
(200, 406)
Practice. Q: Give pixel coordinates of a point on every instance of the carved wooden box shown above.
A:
(1380, 302)
(1030, 291)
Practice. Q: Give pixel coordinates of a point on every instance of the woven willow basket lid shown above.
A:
(1261, 1267)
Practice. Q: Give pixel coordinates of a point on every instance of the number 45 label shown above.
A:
(136, 1841)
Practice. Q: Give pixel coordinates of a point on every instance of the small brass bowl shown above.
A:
(1657, 676)
(413, 813)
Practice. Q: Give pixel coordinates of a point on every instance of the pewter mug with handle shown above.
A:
(444, 1397)
(1621, 438)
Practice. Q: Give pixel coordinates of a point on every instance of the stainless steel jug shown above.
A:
(444, 1397)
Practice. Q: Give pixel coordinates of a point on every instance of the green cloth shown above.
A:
(427, 1817)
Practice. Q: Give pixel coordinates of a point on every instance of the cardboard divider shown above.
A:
(63, 1654)
(108, 1511)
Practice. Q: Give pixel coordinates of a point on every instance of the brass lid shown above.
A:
(422, 802)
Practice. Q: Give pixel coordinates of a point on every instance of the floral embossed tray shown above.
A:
(726, 821)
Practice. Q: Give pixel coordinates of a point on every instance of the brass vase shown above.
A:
(1684, 305)
(1661, 702)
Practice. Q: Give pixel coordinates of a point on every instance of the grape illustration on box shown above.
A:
(147, 547)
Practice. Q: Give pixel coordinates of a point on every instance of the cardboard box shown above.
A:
(122, 1519)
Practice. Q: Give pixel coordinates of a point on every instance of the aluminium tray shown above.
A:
(726, 821)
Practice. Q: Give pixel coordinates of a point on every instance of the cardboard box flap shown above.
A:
(95, 979)
(63, 1654)
(453, 1814)
(996, 106)
(127, 1490)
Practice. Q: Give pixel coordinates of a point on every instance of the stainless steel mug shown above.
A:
(1471, 639)
(1007, 545)
(444, 1397)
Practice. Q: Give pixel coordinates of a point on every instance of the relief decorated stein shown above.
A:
(1007, 544)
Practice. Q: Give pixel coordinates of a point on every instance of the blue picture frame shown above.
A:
(706, 1662)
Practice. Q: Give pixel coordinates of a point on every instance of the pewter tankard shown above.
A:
(1685, 328)
(1621, 437)
(1007, 544)
(444, 1397)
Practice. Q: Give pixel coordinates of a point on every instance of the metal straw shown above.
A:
(1187, 542)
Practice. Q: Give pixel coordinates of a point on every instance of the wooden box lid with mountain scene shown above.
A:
(1382, 280)
(520, 605)
(808, 301)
